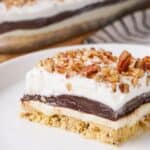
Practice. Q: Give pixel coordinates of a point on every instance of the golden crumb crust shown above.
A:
(87, 129)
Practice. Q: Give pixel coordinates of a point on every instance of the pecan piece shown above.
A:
(146, 61)
(90, 70)
(76, 66)
(148, 80)
(60, 69)
(69, 86)
(47, 64)
(124, 87)
(124, 61)
(109, 56)
(114, 87)
(136, 72)
(134, 81)
(139, 63)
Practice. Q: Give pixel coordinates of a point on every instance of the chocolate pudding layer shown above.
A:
(89, 106)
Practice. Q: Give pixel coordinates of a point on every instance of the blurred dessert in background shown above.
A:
(27, 25)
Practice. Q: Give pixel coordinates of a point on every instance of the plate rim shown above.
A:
(18, 59)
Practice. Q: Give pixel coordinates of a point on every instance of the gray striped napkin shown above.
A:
(133, 28)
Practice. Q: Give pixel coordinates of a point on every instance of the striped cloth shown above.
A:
(133, 28)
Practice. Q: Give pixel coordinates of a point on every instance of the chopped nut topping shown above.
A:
(134, 81)
(114, 87)
(77, 66)
(110, 75)
(89, 70)
(146, 61)
(124, 61)
(60, 69)
(69, 86)
(10, 3)
(133, 62)
(139, 63)
(148, 81)
(100, 66)
(47, 64)
(124, 87)
(137, 73)
(113, 76)
(98, 77)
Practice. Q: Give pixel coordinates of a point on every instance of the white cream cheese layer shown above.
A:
(41, 82)
(129, 120)
(41, 8)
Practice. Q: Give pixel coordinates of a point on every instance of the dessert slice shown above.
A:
(91, 92)
(34, 24)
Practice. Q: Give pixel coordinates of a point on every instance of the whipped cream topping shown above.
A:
(41, 8)
(41, 82)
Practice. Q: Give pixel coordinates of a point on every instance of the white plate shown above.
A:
(19, 134)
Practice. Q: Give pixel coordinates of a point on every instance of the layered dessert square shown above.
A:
(27, 25)
(91, 92)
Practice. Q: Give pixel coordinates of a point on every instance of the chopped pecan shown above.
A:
(146, 61)
(114, 87)
(139, 63)
(76, 66)
(69, 86)
(134, 81)
(60, 69)
(98, 77)
(92, 53)
(109, 56)
(136, 72)
(105, 71)
(89, 70)
(124, 87)
(47, 64)
(124, 61)
(148, 80)
(106, 60)
(113, 78)
(110, 74)
(133, 62)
